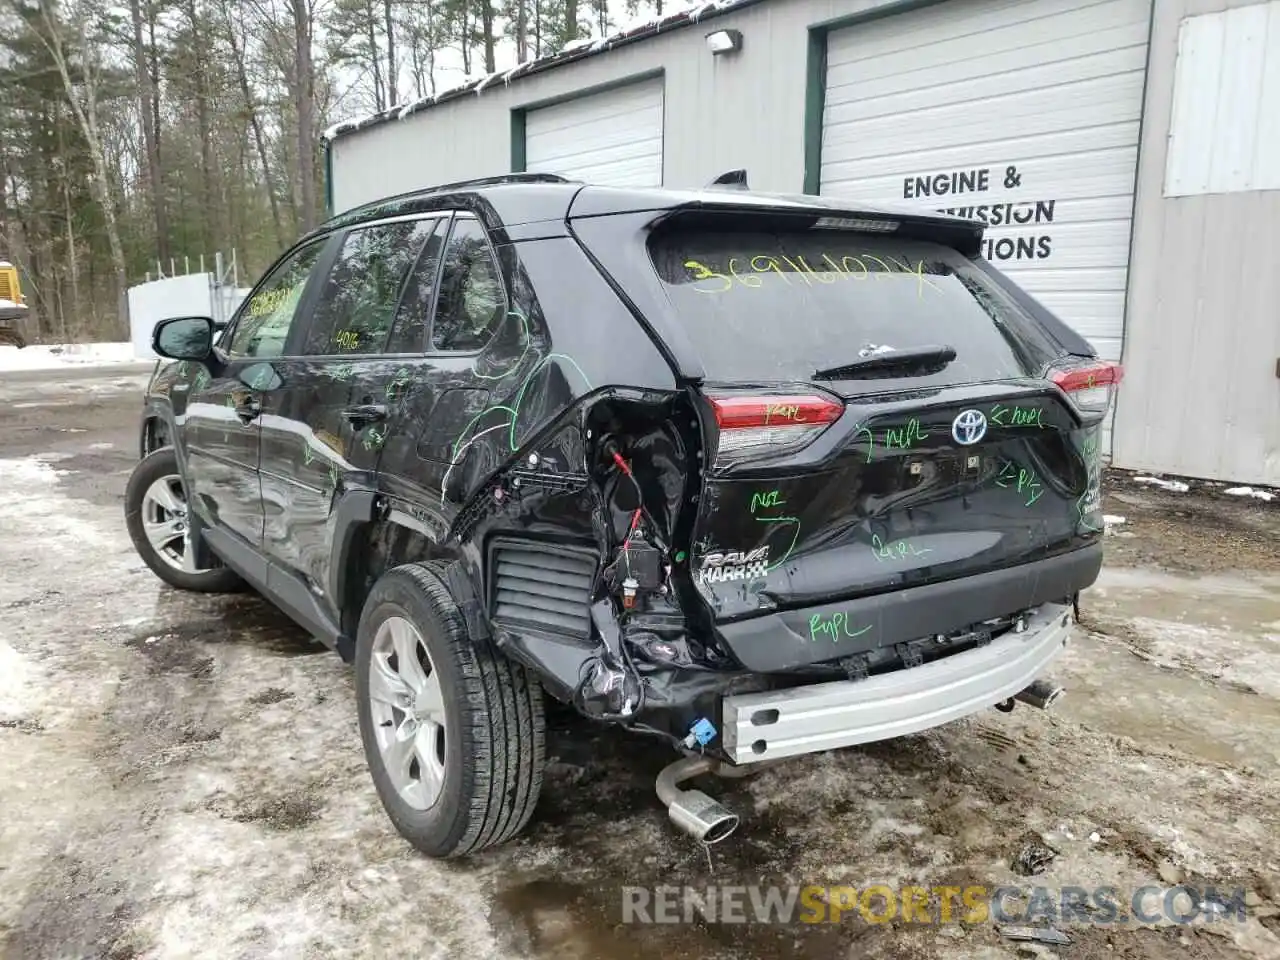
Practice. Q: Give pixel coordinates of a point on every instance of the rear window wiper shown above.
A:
(912, 362)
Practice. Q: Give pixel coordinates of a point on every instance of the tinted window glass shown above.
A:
(358, 302)
(471, 302)
(781, 305)
(264, 321)
(413, 316)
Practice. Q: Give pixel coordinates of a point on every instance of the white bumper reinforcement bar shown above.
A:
(824, 716)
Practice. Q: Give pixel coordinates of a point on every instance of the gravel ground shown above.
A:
(181, 776)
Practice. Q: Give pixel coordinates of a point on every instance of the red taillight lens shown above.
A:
(1090, 384)
(768, 425)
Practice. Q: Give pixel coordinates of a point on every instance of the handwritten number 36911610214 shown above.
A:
(827, 272)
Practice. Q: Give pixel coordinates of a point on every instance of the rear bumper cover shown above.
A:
(778, 642)
(825, 716)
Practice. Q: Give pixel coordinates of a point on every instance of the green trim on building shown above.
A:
(517, 140)
(328, 179)
(815, 94)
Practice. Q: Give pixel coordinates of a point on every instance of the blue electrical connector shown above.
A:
(703, 731)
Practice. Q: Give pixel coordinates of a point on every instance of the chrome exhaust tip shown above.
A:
(1040, 694)
(701, 817)
(693, 811)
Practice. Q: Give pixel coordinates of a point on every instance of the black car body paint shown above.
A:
(586, 427)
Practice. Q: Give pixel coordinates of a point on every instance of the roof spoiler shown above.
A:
(732, 180)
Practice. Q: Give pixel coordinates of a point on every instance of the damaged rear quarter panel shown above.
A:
(572, 367)
(572, 339)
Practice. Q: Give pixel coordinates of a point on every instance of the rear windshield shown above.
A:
(779, 305)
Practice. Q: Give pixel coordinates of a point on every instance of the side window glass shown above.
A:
(358, 302)
(263, 325)
(472, 302)
(409, 335)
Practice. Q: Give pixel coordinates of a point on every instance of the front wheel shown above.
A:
(453, 734)
(155, 511)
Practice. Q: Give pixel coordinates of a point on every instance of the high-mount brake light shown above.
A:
(768, 425)
(862, 224)
(1090, 384)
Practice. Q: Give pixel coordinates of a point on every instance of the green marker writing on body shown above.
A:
(834, 627)
(896, 550)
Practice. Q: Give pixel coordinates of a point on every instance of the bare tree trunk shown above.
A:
(392, 94)
(416, 67)
(73, 262)
(210, 228)
(87, 116)
(154, 75)
(305, 105)
(147, 111)
(570, 21)
(464, 36)
(522, 31)
(490, 42)
(370, 23)
(255, 123)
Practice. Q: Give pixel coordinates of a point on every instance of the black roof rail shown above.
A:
(444, 188)
(496, 180)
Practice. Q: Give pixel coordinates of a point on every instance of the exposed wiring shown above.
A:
(641, 511)
(626, 544)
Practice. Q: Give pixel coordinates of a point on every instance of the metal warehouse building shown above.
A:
(1125, 155)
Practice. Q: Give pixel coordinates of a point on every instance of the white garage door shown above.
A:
(1020, 113)
(612, 138)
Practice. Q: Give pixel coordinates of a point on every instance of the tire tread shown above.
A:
(503, 777)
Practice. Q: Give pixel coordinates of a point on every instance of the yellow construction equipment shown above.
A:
(13, 308)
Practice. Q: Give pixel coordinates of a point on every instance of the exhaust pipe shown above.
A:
(692, 810)
(1040, 694)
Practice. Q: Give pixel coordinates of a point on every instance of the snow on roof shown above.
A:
(5, 263)
(572, 52)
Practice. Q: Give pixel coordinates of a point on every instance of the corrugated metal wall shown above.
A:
(1201, 397)
(721, 113)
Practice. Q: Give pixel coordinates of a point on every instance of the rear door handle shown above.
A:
(364, 414)
(248, 410)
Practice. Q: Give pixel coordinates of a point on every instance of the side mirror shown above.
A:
(183, 338)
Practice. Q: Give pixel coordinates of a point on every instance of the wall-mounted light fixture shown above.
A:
(724, 41)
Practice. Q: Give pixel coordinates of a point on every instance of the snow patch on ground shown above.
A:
(54, 356)
(1249, 492)
(1174, 486)
(44, 509)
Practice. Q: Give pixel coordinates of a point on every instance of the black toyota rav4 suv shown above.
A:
(758, 475)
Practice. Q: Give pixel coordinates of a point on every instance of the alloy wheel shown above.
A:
(408, 713)
(164, 521)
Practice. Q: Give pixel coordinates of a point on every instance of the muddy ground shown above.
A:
(181, 776)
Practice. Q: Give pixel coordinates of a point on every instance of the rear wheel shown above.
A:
(453, 734)
(155, 505)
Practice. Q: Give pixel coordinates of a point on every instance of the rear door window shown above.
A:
(413, 316)
(358, 302)
(471, 303)
(779, 305)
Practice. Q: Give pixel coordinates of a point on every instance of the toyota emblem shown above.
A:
(969, 427)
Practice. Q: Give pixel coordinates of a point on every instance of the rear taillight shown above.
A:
(1090, 384)
(767, 425)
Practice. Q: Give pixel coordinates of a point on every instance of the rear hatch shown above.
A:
(878, 411)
